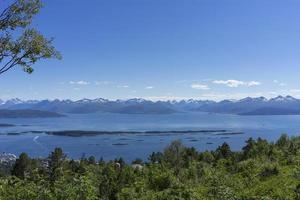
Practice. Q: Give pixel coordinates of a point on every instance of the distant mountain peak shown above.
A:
(67, 101)
(138, 100)
(254, 99)
(14, 101)
(84, 100)
(228, 101)
(100, 100)
(262, 98)
(288, 97)
(282, 98)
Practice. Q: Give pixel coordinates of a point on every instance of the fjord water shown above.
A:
(131, 146)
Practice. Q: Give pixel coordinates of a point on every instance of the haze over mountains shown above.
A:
(280, 105)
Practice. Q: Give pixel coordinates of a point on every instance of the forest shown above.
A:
(261, 170)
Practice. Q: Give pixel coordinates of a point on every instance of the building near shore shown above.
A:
(7, 158)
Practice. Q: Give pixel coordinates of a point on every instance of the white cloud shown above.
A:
(149, 87)
(237, 83)
(103, 82)
(281, 84)
(200, 87)
(79, 82)
(123, 86)
(295, 90)
(253, 83)
(229, 83)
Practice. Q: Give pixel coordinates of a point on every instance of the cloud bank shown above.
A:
(200, 87)
(236, 83)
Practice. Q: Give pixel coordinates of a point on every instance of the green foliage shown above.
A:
(20, 44)
(21, 166)
(55, 164)
(261, 170)
(156, 157)
(223, 151)
(174, 155)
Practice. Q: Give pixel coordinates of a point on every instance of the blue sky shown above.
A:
(170, 49)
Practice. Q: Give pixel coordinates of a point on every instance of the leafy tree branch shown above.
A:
(20, 44)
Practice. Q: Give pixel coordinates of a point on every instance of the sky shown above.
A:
(164, 49)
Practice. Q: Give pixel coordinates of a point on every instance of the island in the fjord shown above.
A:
(81, 133)
(28, 113)
(6, 125)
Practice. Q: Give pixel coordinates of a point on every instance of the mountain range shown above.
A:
(281, 105)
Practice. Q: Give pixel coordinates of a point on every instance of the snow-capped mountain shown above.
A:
(14, 101)
(257, 99)
(245, 106)
(259, 106)
(283, 99)
(190, 104)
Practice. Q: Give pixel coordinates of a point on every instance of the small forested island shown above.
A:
(261, 170)
(28, 113)
(6, 125)
(81, 133)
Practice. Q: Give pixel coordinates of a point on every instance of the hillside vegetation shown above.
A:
(261, 170)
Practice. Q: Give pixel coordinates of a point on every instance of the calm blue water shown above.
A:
(139, 146)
